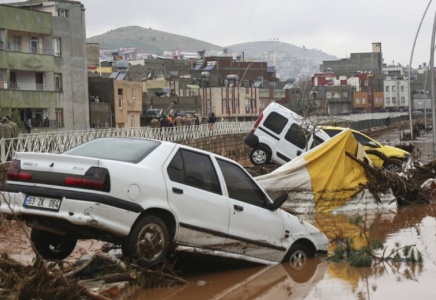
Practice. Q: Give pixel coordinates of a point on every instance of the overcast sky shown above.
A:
(337, 27)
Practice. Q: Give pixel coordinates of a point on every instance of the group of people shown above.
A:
(8, 128)
(176, 120)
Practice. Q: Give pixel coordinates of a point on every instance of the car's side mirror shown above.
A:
(278, 202)
(372, 144)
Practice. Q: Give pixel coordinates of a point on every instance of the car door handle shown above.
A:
(238, 207)
(177, 191)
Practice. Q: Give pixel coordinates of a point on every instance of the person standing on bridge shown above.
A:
(15, 130)
(211, 120)
(7, 128)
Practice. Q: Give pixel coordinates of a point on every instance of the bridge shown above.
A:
(227, 136)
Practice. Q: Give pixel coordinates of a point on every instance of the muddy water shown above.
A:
(327, 280)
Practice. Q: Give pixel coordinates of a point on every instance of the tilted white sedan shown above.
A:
(152, 197)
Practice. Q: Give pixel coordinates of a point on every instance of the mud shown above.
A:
(321, 279)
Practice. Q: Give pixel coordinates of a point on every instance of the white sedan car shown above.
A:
(152, 197)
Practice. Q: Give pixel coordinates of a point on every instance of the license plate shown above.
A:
(42, 203)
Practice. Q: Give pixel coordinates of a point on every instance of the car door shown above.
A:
(293, 143)
(254, 230)
(195, 196)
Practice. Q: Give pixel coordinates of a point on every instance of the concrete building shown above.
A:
(396, 93)
(44, 61)
(221, 71)
(366, 62)
(128, 103)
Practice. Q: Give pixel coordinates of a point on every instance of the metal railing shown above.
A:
(26, 86)
(58, 142)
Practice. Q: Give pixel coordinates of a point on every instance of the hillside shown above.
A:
(289, 60)
(149, 39)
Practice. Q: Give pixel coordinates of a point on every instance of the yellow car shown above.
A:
(397, 156)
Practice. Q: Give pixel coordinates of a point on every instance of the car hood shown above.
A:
(397, 151)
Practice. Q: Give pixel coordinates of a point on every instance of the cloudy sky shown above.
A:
(337, 27)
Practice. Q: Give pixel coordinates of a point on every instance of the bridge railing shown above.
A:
(58, 142)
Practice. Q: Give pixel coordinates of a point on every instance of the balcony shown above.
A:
(25, 99)
(22, 49)
(27, 61)
(24, 86)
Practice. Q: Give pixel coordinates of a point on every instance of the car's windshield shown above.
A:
(122, 149)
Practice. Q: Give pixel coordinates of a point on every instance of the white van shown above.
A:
(280, 135)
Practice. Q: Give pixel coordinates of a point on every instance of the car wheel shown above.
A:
(298, 255)
(52, 246)
(394, 165)
(260, 156)
(148, 243)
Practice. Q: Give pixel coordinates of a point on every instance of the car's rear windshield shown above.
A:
(332, 132)
(121, 149)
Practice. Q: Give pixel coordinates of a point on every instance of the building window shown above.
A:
(58, 82)
(366, 82)
(403, 100)
(208, 105)
(329, 95)
(247, 104)
(230, 105)
(57, 46)
(262, 103)
(16, 46)
(133, 94)
(363, 100)
(337, 95)
(344, 94)
(388, 100)
(120, 92)
(120, 103)
(402, 88)
(357, 100)
(33, 44)
(394, 100)
(132, 121)
(387, 88)
(236, 104)
(393, 90)
(59, 114)
(64, 13)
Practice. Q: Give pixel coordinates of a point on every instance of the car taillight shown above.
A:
(95, 179)
(257, 123)
(16, 174)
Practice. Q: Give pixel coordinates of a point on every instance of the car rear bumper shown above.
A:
(251, 139)
(76, 212)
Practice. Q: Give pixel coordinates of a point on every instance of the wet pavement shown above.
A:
(320, 279)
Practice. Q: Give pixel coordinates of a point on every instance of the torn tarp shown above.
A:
(325, 178)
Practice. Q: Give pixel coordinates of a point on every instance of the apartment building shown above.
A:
(43, 62)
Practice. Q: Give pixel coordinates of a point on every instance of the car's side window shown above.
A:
(275, 122)
(194, 169)
(241, 186)
(316, 141)
(296, 136)
(361, 139)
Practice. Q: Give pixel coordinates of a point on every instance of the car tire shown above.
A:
(52, 246)
(296, 261)
(393, 165)
(260, 156)
(148, 242)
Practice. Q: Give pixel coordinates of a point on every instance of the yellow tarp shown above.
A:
(322, 179)
(335, 177)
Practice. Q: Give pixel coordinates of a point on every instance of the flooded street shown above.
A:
(320, 279)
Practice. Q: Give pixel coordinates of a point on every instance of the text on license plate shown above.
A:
(42, 203)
